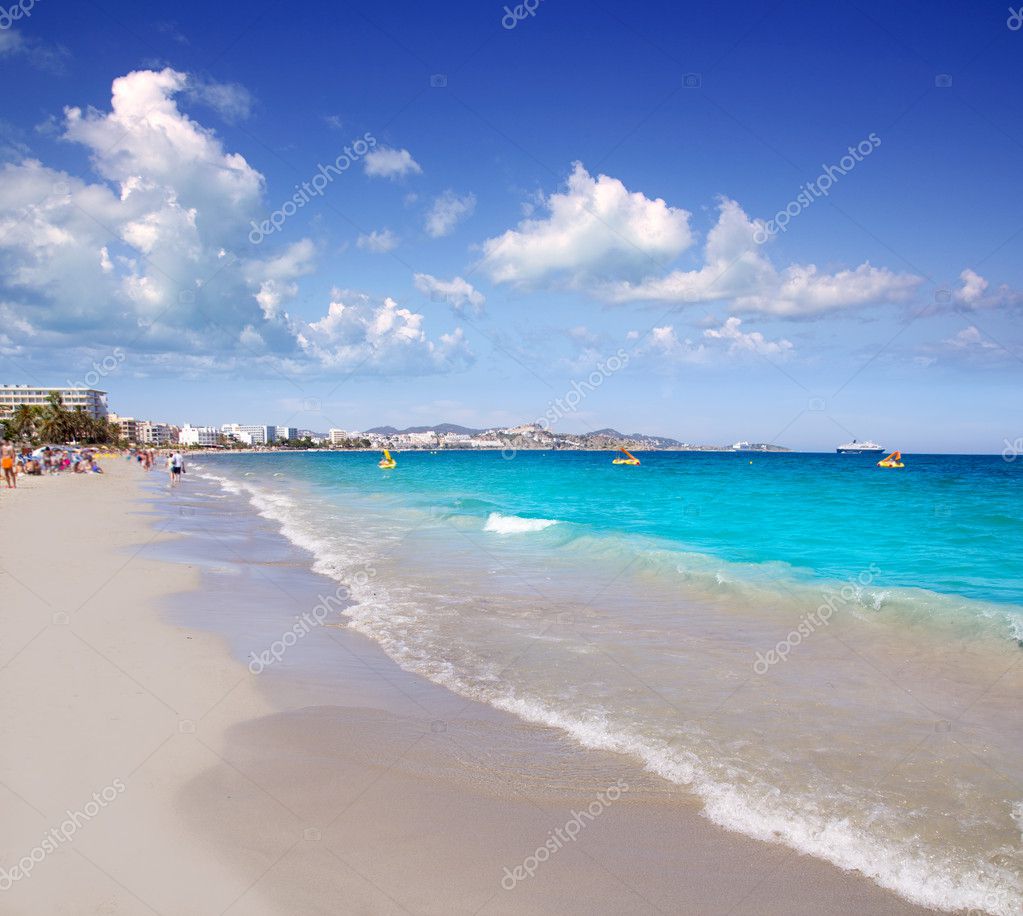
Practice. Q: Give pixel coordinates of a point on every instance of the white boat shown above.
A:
(859, 448)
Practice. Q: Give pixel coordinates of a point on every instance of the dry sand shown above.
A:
(365, 791)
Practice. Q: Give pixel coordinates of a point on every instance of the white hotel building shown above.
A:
(199, 435)
(250, 435)
(91, 400)
(339, 436)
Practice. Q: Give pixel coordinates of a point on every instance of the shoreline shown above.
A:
(335, 780)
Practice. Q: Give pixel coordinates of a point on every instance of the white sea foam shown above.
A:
(514, 524)
(918, 875)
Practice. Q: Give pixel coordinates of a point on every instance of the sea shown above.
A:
(816, 651)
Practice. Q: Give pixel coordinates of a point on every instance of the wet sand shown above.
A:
(329, 782)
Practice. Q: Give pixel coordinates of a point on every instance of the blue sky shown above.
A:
(599, 179)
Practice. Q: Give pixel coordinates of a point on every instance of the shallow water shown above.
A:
(820, 651)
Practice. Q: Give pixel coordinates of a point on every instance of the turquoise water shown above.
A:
(818, 651)
(947, 523)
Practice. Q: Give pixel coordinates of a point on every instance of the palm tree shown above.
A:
(58, 424)
(24, 423)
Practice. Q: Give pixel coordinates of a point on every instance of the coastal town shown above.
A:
(27, 413)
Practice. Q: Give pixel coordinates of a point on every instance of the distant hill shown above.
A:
(534, 435)
(658, 441)
(440, 428)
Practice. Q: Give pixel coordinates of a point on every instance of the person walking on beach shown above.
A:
(7, 463)
(177, 468)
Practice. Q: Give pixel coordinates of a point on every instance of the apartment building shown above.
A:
(91, 400)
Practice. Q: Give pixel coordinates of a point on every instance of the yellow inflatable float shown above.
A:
(387, 461)
(628, 459)
(894, 460)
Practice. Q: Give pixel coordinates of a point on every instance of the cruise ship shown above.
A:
(859, 448)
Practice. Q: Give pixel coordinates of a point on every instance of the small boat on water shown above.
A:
(387, 461)
(894, 460)
(628, 459)
(859, 448)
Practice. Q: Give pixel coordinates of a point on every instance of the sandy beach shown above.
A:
(146, 769)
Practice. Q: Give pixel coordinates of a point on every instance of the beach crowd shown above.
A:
(67, 459)
(51, 459)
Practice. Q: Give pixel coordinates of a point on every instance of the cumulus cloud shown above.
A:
(154, 255)
(969, 347)
(725, 340)
(740, 341)
(973, 293)
(447, 211)
(386, 162)
(972, 289)
(602, 239)
(665, 343)
(458, 293)
(736, 269)
(378, 242)
(594, 228)
(359, 333)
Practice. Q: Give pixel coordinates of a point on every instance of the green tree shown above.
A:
(23, 425)
(56, 425)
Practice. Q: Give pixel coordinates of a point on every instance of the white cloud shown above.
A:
(740, 341)
(663, 342)
(594, 228)
(801, 290)
(385, 162)
(360, 334)
(232, 101)
(970, 338)
(973, 294)
(457, 293)
(447, 211)
(378, 242)
(725, 340)
(152, 150)
(972, 289)
(155, 255)
(736, 269)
